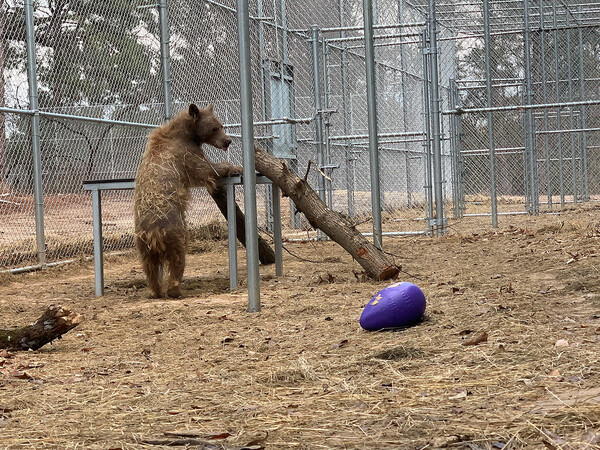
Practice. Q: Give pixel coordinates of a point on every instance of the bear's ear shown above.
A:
(194, 111)
(209, 109)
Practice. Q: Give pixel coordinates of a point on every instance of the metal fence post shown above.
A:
(372, 121)
(345, 111)
(318, 110)
(545, 100)
(574, 164)
(583, 112)
(243, 22)
(427, 133)
(529, 124)
(38, 186)
(490, 115)
(435, 122)
(326, 124)
(163, 12)
(561, 176)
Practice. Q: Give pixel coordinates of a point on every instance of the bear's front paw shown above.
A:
(235, 170)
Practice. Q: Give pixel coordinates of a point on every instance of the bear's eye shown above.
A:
(215, 129)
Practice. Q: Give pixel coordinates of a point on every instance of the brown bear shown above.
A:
(173, 163)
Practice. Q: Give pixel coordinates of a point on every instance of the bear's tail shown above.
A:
(152, 241)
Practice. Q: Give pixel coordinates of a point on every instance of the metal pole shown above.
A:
(404, 106)
(427, 130)
(38, 186)
(561, 176)
(490, 117)
(243, 21)
(372, 121)
(586, 187)
(346, 113)
(435, 122)
(530, 125)
(326, 125)
(318, 110)
(574, 163)
(163, 13)
(545, 100)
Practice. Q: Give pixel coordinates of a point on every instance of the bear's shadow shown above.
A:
(191, 286)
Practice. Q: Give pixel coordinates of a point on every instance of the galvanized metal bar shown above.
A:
(277, 236)
(163, 13)
(490, 116)
(326, 126)
(586, 186)
(38, 185)
(375, 27)
(98, 244)
(561, 176)
(427, 132)
(243, 20)
(545, 100)
(318, 110)
(372, 122)
(349, 156)
(404, 106)
(530, 125)
(435, 122)
(232, 237)
(523, 107)
(574, 177)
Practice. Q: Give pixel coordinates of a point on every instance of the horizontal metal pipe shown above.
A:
(572, 130)
(382, 135)
(377, 36)
(282, 121)
(521, 107)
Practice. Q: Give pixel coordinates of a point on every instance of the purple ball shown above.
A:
(398, 305)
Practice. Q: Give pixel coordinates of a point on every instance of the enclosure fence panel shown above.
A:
(83, 83)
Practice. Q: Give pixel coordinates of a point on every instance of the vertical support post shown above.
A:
(243, 22)
(326, 124)
(583, 112)
(561, 176)
(318, 110)
(545, 100)
(277, 238)
(427, 131)
(232, 236)
(372, 121)
(38, 186)
(98, 244)
(457, 166)
(529, 123)
(163, 13)
(490, 115)
(435, 121)
(574, 163)
(346, 113)
(407, 153)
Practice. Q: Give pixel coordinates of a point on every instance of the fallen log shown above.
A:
(266, 255)
(339, 228)
(55, 322)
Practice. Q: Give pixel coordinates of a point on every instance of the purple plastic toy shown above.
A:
(398, 305)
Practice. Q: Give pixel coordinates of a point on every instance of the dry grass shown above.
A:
(301, 373)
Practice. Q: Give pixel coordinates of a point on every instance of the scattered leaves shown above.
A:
(477, 338)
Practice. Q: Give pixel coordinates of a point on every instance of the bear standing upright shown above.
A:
(173, 163)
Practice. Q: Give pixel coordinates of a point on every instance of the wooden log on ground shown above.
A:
(266, 255)
(55, 322)
(338, 227)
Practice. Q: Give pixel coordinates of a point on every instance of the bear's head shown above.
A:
(207, 128)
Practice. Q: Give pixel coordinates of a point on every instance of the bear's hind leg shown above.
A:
(176, 261)
(152, 267)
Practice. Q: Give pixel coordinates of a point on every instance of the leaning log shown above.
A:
(55, 322)
(266, 255)
(338, 227)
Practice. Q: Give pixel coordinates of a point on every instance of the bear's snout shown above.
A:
(226, 143)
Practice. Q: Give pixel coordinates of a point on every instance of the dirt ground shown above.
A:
(140, 373)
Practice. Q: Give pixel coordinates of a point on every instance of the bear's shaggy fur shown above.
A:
(173, 163)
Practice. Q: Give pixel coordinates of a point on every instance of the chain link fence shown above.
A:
(516, 86)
